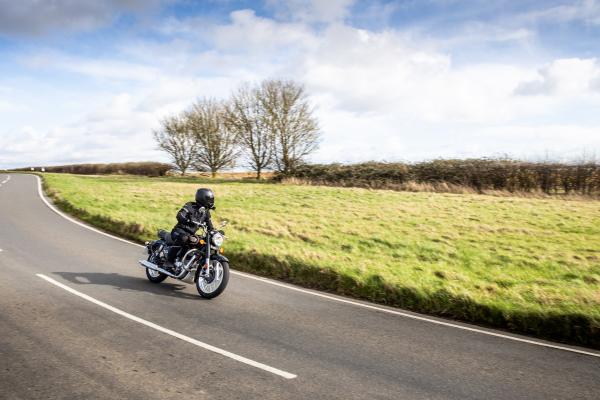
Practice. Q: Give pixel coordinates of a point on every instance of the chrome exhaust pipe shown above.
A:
(149, 265)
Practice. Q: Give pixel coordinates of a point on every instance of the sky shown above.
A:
(89, 81)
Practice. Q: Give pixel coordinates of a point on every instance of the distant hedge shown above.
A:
(478, 174)
(132, 168)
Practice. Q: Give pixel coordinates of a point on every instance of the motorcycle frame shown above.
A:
(189, 268)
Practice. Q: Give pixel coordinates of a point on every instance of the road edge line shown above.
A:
(65, 216)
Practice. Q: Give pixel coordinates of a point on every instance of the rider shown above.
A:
(191, 217)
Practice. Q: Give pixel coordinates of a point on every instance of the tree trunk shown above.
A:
(258, 174)
(213, 173)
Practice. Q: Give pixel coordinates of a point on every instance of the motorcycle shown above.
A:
(203, 263)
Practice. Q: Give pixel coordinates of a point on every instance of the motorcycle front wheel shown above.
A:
(212, 284)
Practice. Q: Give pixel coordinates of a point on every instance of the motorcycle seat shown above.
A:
(165, 236)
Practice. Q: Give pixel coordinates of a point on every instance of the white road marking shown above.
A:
(419, 317)
(56, 210)
(6, 180)
(178, 335)
(345, 301)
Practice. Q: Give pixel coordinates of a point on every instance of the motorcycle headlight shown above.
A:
(217, 239)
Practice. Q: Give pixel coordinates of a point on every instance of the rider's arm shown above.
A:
(183, 216)
(209, 224)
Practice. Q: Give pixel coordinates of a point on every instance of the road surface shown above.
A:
(78, 319)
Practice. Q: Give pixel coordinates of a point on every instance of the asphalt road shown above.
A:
(56, 344)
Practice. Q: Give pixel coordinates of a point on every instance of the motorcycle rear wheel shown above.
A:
(213, 285)
(154, 276)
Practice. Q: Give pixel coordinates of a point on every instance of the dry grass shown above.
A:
(437, 187)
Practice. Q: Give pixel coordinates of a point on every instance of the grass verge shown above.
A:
(528, 265)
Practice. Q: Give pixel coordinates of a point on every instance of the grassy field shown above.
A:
(528, 265)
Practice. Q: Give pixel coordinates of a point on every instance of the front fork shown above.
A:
(207, 262)
(204, 270)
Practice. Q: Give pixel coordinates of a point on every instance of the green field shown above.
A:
(529, 265)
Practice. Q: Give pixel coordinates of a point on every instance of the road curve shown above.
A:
(55, 343)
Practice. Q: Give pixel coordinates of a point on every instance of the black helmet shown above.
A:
(205, 198)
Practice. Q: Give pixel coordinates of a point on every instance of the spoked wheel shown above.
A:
(215, 281)
(153, 275)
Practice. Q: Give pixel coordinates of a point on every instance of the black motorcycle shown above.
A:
(202, 262)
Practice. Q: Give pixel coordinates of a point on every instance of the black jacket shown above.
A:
(191, 212)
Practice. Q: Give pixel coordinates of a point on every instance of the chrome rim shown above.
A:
(153, 273)
(213, 279)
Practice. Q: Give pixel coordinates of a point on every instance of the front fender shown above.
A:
(219, 257)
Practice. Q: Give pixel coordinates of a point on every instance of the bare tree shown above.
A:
(288, 115)
(245, 117)
(217, 145)
(178, 141)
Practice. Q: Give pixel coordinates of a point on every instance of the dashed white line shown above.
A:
(345, 301)
(178, 335)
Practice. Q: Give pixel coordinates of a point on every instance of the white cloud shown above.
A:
(112, 131)
(384, 73)
(378, 95)
(587, 11)
(566, 77)
(92, 67)
(252, 34)
(112, 124)
(312, 10)
(31, 17)
(480, 33)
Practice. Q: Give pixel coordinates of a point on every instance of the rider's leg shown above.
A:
(180, 238)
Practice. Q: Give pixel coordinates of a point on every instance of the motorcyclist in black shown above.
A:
(191, 217)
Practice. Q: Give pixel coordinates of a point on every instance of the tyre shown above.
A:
(213, 285)
(154, 276)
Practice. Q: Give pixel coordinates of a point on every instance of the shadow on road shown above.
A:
(128, 283)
